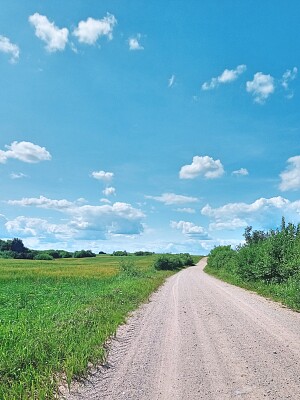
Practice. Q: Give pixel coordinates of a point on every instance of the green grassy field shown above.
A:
(56, 315)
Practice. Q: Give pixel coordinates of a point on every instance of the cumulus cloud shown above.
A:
(241, 172)
(24, 151)
(82, 221)
(27, 227)
(290, 178)
(118, 218)
(55, 38)
(227, 76)
(233, 210)
(261, 87)
(42, 202)
(190, 229)
(109, 191)
(265, 212)
(7, 47)
(172, 198)
(91, 30)
(103, 176)
(202, 166)
(134, 43)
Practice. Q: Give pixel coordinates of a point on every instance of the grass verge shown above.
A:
(287, 293)
(56, 315)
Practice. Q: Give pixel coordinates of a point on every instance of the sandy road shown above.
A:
(200, 338)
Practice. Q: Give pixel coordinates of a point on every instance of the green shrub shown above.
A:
(187, 259)
(120, 253)
(43, 256)
(129, 268)
(168, 262)
(84, 253)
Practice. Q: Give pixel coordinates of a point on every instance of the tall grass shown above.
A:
(56, 315)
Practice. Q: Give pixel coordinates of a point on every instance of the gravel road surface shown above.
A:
(200, 338)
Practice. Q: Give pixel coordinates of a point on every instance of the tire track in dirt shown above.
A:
(200, 338)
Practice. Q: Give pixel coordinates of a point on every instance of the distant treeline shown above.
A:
(124, 253)
(15, 249)
(269, 261)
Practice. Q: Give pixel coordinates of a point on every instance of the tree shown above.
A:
(17, 246)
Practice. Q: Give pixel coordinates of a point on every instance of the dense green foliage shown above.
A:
(120, 253)
(143, 253)
(172, 262)
(83, 254)
(15, 249)
(56, 316)
(268, 262)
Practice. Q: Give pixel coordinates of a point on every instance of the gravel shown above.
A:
(200, 338)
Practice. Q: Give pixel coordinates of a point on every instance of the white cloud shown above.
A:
(203, 166)
(241, 172)
(18, 175)
(83, 221)
(187, 210)
(42, 202)
(234, 223)
(227, 76)
(190, 229)
(7, 47)
(103, 176)
(288, 76)
(234, 210)
(171, 81)
(91, 30)
(25, 227)
(263, 213)
(118, 218)
(24, 151)
(55, 38)
(109, 191)
(172, 198)
(290, 178)
(261, 87)
(105, 201)
(134, 43)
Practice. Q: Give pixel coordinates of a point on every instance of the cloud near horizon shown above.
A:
(190, 229)
(263, 212)
(83, 221)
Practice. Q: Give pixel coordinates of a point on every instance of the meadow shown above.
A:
(55, 317)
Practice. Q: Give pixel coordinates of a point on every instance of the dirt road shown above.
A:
(200, 338)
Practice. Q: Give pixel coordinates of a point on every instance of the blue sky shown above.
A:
(137, 125)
